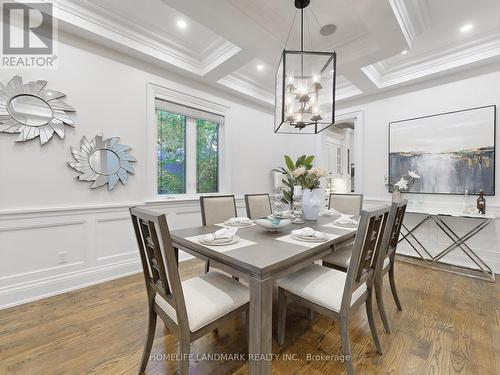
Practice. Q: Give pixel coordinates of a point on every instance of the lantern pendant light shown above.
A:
(305, 87)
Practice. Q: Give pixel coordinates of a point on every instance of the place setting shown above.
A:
(344, 222)
(224, 238)
(307, 237)
(238, 222)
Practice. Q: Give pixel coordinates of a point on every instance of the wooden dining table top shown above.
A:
(268, 255)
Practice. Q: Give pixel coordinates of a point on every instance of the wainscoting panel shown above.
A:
(51, 251)
(114, 239)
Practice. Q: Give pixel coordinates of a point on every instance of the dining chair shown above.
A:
(258, 205)
(340, 260)
(396, 218)
(335, 293)
(349, 203)
(217, 208)
(190, 308)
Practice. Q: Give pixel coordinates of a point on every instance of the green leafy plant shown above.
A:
(289, 180)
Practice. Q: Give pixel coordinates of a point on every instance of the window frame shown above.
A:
(188, 97)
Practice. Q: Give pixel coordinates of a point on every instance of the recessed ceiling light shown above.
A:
(328, 30)
(260, 67)
(404, 52)
(466, 28)
(181, 24)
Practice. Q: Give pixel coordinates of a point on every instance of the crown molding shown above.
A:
(346, 90)
(245, 86)
(412, 16)
(149, 41)
(216, 53)
(456, 55)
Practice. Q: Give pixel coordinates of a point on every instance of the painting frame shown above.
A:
(493, 124)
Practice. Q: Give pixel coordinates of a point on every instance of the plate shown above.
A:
(217, 240)
(238, 225)
(345, 225)
(308, 239)
(210, 243)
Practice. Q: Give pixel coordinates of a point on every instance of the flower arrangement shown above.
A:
(403, 183)
(301, 172)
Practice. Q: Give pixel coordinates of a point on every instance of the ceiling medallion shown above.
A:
(305, 87)
(31, 110)
(103, 161)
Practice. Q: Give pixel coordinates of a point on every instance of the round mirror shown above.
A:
(104, 162)
(30, 110)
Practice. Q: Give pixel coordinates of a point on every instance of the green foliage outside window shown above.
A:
(173, 129)
(171, 152)
(207, 160)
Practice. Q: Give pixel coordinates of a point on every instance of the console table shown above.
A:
(458, 242)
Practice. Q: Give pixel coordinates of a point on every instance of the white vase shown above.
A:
(396, 196)
(311, 203)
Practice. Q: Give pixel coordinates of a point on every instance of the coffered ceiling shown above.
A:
(235, 45)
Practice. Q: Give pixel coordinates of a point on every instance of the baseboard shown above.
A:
(30, 291)
(19, 294)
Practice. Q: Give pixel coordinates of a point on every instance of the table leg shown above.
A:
(260, 340)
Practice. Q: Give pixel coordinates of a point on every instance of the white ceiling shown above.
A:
(225, 40)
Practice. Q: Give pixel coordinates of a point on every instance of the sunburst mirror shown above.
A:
(103, 161)
(31, 110)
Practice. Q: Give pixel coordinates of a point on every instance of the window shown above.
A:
(187, 149)
(339, 160)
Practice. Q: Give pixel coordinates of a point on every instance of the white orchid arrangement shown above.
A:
(403, 183)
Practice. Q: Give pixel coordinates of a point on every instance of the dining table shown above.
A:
(261, 257)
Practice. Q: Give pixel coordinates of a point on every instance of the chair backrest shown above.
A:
(217, 209)
(258, 205)
(367, 244)
(350, 204)
(159, 260)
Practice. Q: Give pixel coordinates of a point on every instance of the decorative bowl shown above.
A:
(271, 223)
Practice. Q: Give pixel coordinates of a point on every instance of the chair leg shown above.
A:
(392, 281)
(346, 345)
(380, 302)
(207, 266)
(185, 349)
(281, 316)
(371, 322)
(247, 324)
(149, 341)
(311, 314)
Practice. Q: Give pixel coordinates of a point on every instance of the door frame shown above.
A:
(358, 118)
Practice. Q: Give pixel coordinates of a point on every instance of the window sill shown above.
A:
(185, 198)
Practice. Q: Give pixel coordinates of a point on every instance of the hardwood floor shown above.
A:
(450, 324)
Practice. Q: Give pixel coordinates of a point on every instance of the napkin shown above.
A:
(308, 232)
(224, 233)
(330, 212)
(346, 220)
(238, 221)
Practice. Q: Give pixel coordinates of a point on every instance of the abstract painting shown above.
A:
(452, 152)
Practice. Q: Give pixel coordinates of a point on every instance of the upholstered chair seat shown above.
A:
(321, 285)
(208, 298)
(342, 257)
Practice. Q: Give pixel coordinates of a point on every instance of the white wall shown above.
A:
(45, 211)
(473, 91)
